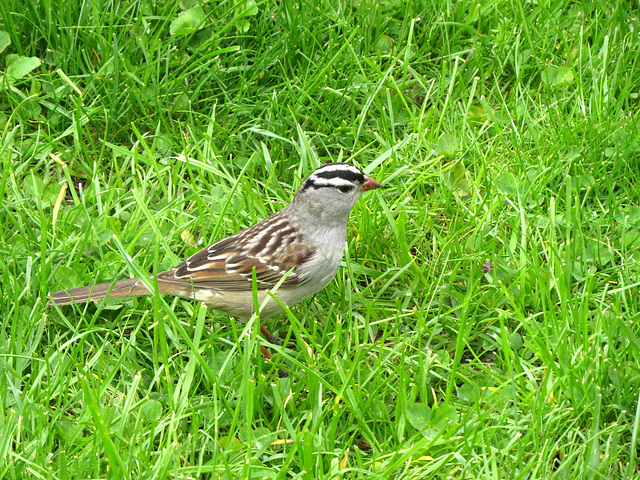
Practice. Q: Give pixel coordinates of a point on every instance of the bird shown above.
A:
(299, 247)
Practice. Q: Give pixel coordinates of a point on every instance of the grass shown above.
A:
(485, 321)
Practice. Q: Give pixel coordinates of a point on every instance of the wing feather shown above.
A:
(272, 247)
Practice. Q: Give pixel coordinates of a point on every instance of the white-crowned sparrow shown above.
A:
(304, 242)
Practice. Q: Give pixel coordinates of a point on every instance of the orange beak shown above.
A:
(370, 184)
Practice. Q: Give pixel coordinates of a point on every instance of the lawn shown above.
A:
(484, 323)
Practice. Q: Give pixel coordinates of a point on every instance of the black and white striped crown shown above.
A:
(335, 175)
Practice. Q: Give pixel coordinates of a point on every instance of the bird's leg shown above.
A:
(273, 340)
(268, 337)
(265, 352)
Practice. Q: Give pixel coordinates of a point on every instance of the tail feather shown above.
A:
(122, 288)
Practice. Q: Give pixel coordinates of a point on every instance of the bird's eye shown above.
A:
(345, 188)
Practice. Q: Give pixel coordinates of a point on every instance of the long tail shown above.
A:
(119, 289)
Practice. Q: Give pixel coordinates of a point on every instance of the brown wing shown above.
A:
(272, 247)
